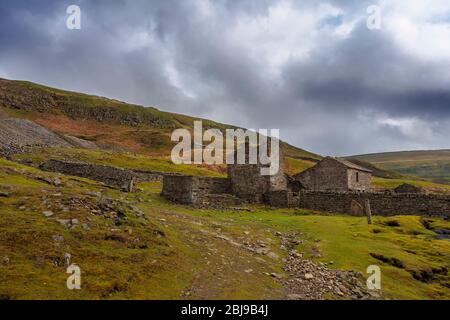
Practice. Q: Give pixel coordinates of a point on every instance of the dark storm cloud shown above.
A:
(236, 61)
(369, 70)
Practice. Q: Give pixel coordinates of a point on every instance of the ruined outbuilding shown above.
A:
(334, 174)
(333, 185)
(408, 188)
(244, 183)
(247, 182)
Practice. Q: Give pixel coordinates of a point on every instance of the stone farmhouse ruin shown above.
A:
(333, 185)
(333, 174)
(244, 183)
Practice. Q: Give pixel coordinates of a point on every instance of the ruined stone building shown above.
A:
(333, 185)
(333, 174)
(248, 184)
(244, 183)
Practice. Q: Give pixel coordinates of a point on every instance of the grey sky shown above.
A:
(311, 68)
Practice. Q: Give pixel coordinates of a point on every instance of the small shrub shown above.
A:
(392, 223)
(427, 224)
(425, 276)
(391, 261)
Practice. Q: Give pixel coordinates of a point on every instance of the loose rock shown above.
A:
(48, 214)
(273, 255)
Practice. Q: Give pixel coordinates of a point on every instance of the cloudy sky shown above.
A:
(308, 67)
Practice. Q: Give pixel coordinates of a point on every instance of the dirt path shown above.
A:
(226, 269)
(256, 264)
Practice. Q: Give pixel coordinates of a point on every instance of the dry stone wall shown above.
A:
(384, 204)
(179, 189)
(110, 175)
(204, 191)
(282, 199)
(149, 176)
(247, 182)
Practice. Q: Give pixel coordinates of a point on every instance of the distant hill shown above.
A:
(433, 165)
(117, 125)
(376, 171)
(104, 121)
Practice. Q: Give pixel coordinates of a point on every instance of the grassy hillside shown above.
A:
(294, 166)
(381, 184)
(164, 164)
(140, 162)
(122, 160)
(105, 121)
(140, 246)
(430, 165)
(126, 247)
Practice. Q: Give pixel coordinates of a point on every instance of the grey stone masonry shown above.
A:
(200, 191)
(119, 177)
(384, 204)
(248, 184)
(332, 174)
(123, 178)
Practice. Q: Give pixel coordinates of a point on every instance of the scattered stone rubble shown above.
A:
(305, 279)
(94, 203)
(20, 136)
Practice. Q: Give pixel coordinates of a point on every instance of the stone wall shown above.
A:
(282, 199)
(149, 176)
(204, 191)
(385, 204)
(107, 174)
(207, 185)
(332, 175)
(248, 184)
(326, 175)
(359, 180)
(110, 175)
(179, 189)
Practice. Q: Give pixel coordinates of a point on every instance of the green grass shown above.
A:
(438, 171)
(156, 260)
(84, 102)
(185, 256)
(110, 269)
(123, 160)
(433, 165)
(348, 242)
(393, 183)
(295, 166)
